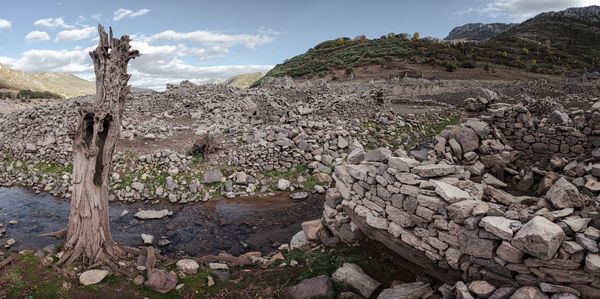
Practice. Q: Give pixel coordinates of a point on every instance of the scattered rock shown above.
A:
(93, 276)
(352, 275)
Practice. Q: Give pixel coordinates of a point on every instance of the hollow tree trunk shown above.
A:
(87, 236)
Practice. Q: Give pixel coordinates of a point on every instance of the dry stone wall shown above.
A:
(567, 132)
(451, 210)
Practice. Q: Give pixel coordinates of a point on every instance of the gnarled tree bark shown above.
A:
(87, 236)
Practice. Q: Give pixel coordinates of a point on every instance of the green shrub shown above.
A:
(450, 66)
(468, 64)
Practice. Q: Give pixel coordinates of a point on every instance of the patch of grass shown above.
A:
(311, 182)
(325, 262)
(290, 173)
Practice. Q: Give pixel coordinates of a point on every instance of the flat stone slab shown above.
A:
(153, 214)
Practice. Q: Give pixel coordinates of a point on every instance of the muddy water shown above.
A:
(405, 109)
(231, 225)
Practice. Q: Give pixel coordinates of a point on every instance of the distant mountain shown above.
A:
(60, 84)
(244, 80)
(478, 31)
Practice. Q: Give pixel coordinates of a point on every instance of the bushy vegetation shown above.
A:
(30, 94)
(539, 45)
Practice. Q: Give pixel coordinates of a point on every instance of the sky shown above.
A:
(214, 40)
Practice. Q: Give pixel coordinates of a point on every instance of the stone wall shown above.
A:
(455, 214)
(567, 132)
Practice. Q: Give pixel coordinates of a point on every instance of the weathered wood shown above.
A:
(415, 256)
(95, 135)
(8, 260)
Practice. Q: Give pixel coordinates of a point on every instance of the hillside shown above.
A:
(559, 43)
(244, 80)
(569, 38)
(478, 31)
(60, 84)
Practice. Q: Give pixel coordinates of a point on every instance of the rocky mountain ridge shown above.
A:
(478, 31)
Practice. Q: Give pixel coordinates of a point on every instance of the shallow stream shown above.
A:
(195, 229)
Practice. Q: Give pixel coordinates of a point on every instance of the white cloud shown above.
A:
(37, 36)
(75, 34)
(67, 61)
(121, 13)
(202, 36)
(6, 60)
(5, 24)
(97, 17)
(519, 10)
(53, 23)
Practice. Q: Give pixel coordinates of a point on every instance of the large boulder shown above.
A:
(539, 237)
(353, 276)
(564, 195)
(319, 287)
(466, 137)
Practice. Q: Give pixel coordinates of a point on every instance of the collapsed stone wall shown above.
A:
(451, 211)
(535, 130)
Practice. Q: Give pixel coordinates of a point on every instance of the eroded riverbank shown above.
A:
(195, 229)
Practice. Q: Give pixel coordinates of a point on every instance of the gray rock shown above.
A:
(152, 214)
(148, 239)
(299, 241)
(212, 176)
(539, 237)
(93, 276)
(434, 170)
(352, 275)
(312, 229)
(500, 226)
(529, 292)
(381, 154)
(413, 290)
(356, 156)
(187, 266)
(298, 195)
(283, 184)
(564, 195)
(161, 280)
(592, 264)
(466, 137)
(481, 288)
(319, 287)
(448, 192)
(462, 209)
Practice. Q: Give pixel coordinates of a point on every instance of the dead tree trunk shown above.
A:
(87, 236)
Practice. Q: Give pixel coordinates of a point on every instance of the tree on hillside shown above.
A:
(416, 36)
(87, 237)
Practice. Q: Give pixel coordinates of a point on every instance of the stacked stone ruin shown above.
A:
(533, 232)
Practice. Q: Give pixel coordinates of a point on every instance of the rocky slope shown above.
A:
(62, 84)
(478, 31)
